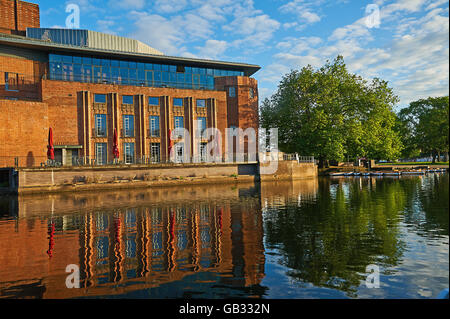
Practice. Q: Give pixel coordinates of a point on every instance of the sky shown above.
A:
(405, 42)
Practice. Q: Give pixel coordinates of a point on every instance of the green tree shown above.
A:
(332, 114)
(425, 126)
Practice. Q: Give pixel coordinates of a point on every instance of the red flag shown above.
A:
(51, 149)
(115, 145)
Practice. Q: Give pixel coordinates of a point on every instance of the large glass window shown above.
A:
(154, 126)
(128, 125)
(153, 100)
(201, 123)
(177, 102)
(101, 153)
(179, 152)
(203, 152)
(99, 70)
(178, 122)
(232, 91)
(155, 152)
(100, 98)
(100, 125)
(129, 153)
(201, 103)
(127, 99)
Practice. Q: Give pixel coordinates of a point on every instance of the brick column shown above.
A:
(166, 124)
(189, 123)
(114, 111)
(141, 131)
(87, 132)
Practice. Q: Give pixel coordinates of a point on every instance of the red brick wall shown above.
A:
(66, 109)
(16, 16)
(23, 133)
(242, 110)
(29, 73)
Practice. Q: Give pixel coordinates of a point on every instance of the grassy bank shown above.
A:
(413, 163)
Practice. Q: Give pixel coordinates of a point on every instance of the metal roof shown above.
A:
(91, 39)
(19, 41)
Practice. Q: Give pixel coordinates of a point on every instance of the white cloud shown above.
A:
(254, 31)
(148, 29)
(415, 61)
(303, 10)
(170, 6)
(127, 4)
(310, 17)
(212, 49)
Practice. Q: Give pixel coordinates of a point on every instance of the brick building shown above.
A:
(85, 84)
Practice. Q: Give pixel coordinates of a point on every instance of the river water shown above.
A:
(303, 239)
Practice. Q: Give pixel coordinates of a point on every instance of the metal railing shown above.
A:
(31, 161)
(17, 86)
(83, 78)
(298, 158)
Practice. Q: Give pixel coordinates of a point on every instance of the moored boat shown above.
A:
(337, 174)
(349, 174)
(413, 172)
(392, 173)
(377, 173)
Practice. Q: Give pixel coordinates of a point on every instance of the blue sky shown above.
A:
(409, 48)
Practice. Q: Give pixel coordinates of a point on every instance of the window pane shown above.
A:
(100, 98)
(201, 103)
(178, 122)
(201, 123)
(155, 152)
(67, 59)
(100, 125)
(177, 102)
(153, 100)
(154, 126)
(101, 153)
(128, 125)
(127, 99)
(129, 153)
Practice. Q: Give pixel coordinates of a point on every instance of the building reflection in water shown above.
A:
(152, 243)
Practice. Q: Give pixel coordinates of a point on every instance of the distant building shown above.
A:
(85, 84)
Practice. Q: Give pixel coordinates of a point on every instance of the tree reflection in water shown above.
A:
(328, 241)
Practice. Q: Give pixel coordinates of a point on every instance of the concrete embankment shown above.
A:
(74, 179)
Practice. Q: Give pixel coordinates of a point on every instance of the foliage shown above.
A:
(425, 125)
(332, 114)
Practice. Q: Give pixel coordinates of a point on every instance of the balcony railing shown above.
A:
(17, 86)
